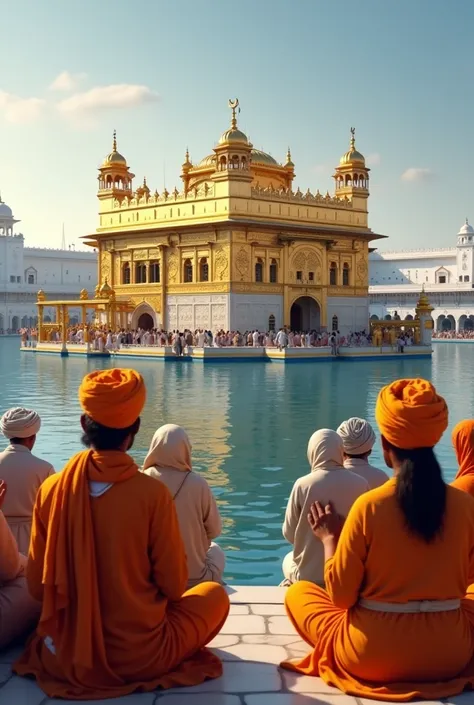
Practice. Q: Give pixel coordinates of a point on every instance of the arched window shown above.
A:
(271, 322)
(273, 271)
(387, 317)
(259, 271)
(223, 164)
(333, 274)
(374, 317)
(235, 162)
(154, 272)
(140, 273)
(345, 274)
(188, 271)
(335, 323)
(126, 273)
(203, 270)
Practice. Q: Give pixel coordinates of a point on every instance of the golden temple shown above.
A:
(237, 248)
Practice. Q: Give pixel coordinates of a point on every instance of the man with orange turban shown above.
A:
(463, 442)
(108, 563)
(396, 622)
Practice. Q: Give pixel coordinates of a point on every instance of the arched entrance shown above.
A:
(305, 314)
(145, 322)
(144, 317)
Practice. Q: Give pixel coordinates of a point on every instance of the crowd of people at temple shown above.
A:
(454, 335)
(105, 339)
(115, 571)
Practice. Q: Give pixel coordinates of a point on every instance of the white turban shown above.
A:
(357, 435)
(20, 423)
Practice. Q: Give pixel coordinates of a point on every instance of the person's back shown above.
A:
(339, 486)
(358, 439)
(169, 460)
(463, 442)
(327, 482)
(22, 471)
(108, 562)
(375, 477)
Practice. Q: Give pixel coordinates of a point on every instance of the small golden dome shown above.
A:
(259, 157)
(105, 290)
(83, 295)
(233, 135)
(352, 156)
(41, 296)
(114, 158)
(289, 163)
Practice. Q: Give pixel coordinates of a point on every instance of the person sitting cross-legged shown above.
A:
(108, 563)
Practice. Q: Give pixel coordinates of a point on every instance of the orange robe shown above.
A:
(115, 612)
(463, 442)
(391, 656)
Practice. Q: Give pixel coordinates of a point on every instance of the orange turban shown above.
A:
(463, 442)
(410, 414)
(113, 398)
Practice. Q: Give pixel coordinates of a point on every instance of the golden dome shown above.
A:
(233, 135)
(256, 156)
(105, 290)
(352, 156)
(114, 158)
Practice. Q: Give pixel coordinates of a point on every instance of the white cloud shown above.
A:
(417, 174)
(373, 159)
(100, 98)
(20, 110)
(67, 81)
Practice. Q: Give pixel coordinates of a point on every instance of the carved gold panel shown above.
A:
(257, 288)
(199, 288)
(241, 262)
(221, 263)
(140, 254)
(105, 266)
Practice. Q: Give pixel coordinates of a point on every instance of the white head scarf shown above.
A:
(20, 423)
(357, 435)
(325, 451)
(170, 448)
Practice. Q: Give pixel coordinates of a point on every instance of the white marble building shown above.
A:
(447, 274)
(24, 270)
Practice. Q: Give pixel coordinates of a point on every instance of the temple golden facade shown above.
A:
(238, 247)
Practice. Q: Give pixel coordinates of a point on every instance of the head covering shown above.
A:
(325, 450)
(170, 448)
(410, 414)
(463, 442)
(20, 423)
(357, 435)
(113, 398)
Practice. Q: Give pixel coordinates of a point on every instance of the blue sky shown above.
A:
(305, 71)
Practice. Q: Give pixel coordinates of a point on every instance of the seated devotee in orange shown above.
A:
(328, 481)
(19, 611)
(463, 442)
(169, 461)
(108, 562)
(395, 623)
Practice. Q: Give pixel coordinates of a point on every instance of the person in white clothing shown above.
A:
(281, 340)
(328, 481)
(169, 461)
(358, 439)
(255, 338)
(22, 471)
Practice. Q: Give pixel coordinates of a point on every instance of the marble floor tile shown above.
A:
(223, 640)
(133, 699)
(256, 594)
(244, 624)
(200, 699)
(239, 609)
(281, 625)
(298, 699)
(239, 677)
(296, 683)
(273, 639)
(253, 652)
(21, 691)
(269, 610)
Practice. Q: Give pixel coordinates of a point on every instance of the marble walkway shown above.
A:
(255, 638)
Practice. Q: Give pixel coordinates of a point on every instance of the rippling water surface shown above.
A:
(249, 424)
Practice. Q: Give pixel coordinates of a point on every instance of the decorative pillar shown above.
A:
(423, 313)
(64, 312)
(163, 278)
(285, 278)
(40, 323)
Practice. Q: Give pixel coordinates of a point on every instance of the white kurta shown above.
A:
(24, 473)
